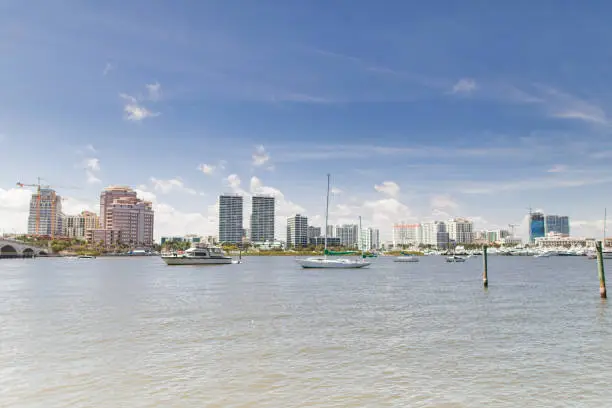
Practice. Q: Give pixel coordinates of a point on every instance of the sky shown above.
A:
(418, 110)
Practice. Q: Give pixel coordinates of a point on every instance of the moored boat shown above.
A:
(455, 258)
(209, 255)
(406, 258)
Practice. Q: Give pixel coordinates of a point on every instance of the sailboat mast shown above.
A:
(326, 215)
(605, 220)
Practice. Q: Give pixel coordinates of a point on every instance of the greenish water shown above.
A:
(137, 333)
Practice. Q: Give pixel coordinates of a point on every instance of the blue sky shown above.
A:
(418, 110)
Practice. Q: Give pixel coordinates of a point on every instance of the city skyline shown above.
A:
(415, 110)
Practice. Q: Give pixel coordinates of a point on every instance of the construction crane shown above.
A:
(38, 202)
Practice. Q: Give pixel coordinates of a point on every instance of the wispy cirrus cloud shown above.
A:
(389, 188)
(167, 186)
(464, 85)
(557, 168)
(154, 91)
(260, 156)
(108, 68)
(134, 111)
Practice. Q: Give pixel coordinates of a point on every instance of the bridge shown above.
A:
(16, 249)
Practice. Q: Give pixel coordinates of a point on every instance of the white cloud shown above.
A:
(336, 191)
(557, 168)
(234, 183)
(92, 164)
(443, 201)
(72, 205)
(14, 209)
(260, 157)
(90, 148)
(284, 207)
(464, 85)
(92, 178)
(134, 111)
(108, 68)
(167, 186)
(388, 187)
(154, 91)
(565, 106)
(207, 168)
(171, 221)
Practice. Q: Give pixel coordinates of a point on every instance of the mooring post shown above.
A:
(485, 277)
(600, 270)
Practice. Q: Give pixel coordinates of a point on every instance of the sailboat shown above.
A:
(330, 263)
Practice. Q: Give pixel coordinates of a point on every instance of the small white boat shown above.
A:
(198, 256)
(332, 263)
(406, 258)
(545, 254)
(455, 258)
(86, 257)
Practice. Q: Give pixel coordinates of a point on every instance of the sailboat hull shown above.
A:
(322, 263)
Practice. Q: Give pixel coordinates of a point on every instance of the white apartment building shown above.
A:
(297, 231)
(461, 230)
(435, 234)
(230, 218)
(76, 226)
(407, 234)
(313, 232)
(370, 239)
(262, 219)
(348, 234)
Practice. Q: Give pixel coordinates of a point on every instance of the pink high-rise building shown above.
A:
(129, 218)
(110, 194)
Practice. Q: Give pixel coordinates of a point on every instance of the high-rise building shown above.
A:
(536, 226)
(461, 230)
(75, 226)
(557, 223)
(108, 196)
(230, 218)
(45, 213)
(348, 234)
(313, 232)
(407, 234)
(262, 219)
(330, 231)
(297, 231)
(124, 219)
(435, 234)
(370, 239)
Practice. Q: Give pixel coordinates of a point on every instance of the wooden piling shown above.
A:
(485, 276)
(600, 270)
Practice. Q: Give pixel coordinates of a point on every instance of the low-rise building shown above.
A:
(557, 240)
(75, 226)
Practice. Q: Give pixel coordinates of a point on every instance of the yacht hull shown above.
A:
(331, 264)
(406, 259)
(178, 260)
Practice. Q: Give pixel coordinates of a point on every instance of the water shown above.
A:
(137, 333)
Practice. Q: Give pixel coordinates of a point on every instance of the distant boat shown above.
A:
(455, 258)
(406, 258)
(86, 257)
(198, 256)
(330, 263)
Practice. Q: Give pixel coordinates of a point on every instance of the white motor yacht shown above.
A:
(455, 258)
(406, 258)
(209, 255)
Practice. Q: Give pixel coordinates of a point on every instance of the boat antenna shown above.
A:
(326, 217)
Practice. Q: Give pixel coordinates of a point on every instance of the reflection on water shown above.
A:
(137, 333)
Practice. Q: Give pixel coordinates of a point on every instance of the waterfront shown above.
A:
(134, 332)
